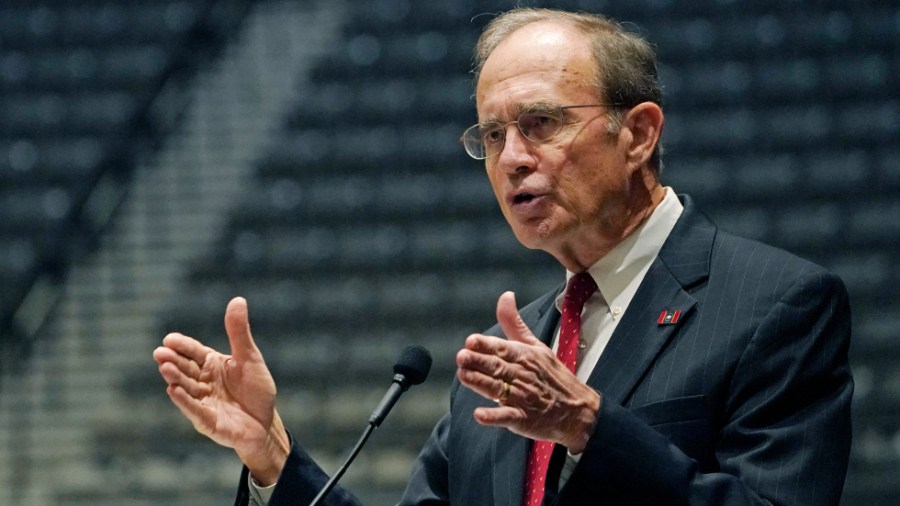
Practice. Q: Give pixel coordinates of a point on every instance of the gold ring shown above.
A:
(504, 393)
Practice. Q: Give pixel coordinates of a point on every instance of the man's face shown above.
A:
(569, 192)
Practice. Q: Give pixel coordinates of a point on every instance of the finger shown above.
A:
(488, 355)
(176, 377)
(511, 322)
(162, 354)
(487, 345)
(191, 408)
(237, 326)
(184, 364)
(484, 385)
(187, 347)
(524, 388)
(499, 416)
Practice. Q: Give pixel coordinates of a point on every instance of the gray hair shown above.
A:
(625, 62)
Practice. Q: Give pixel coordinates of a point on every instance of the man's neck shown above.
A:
(580, 253)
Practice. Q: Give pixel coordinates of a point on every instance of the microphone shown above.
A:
(410, 369)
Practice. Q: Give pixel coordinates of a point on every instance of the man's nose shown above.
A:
(515, 156)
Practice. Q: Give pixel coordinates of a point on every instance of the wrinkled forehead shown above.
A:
(538, 63)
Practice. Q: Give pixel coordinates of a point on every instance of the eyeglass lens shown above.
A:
(488, 140)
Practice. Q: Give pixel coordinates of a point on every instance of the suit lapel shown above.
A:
(511, 450)
(683, 261)
(639, 337)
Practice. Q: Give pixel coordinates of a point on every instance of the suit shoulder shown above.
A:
(741, 258)
(729, 244)
(697, 248)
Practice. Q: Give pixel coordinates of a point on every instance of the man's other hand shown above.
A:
(228, 398)
(537, 396)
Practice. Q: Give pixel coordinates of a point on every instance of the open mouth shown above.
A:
(523, 197)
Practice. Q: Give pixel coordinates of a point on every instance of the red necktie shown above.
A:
(581, 287)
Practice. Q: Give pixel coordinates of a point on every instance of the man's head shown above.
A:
(579, 187)
(626, 71)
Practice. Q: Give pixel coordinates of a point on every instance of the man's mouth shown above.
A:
(523, 198)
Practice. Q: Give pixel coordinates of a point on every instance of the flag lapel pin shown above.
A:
(667, 317)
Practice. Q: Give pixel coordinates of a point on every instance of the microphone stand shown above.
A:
(340, 472)
(411, 369)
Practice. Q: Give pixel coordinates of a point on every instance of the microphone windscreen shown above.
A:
(414, 363)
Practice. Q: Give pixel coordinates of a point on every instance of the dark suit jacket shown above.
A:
(744, 400)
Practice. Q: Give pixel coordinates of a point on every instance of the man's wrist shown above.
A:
(585, 423)
(266, 467)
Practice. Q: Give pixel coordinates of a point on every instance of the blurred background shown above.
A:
(158, 158)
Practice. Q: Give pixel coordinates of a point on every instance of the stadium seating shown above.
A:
(366, 227)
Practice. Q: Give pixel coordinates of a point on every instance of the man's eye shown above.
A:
(542, 119)
(539, 126)
(492, 135)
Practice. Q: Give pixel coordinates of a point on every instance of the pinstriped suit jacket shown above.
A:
(744, 400)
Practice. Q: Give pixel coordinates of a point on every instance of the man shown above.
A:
(702, 369)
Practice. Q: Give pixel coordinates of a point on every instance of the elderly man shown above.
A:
(678, 365)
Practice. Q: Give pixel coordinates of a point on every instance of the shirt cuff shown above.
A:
(568, 467)
(258, 494)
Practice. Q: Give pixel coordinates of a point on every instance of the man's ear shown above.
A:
(645, 121)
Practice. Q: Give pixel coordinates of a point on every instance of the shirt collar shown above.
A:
(617, 269)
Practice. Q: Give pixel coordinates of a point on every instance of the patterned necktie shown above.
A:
(581, 287)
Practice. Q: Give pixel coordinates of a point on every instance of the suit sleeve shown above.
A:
(784, 437)
(299, 483)
(428, 484)
(302, 478)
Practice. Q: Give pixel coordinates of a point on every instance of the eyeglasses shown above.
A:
(483, 140)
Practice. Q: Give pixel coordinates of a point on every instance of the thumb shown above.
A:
(237, 326)
(510, 321)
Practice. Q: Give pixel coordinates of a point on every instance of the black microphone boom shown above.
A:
(410, 369)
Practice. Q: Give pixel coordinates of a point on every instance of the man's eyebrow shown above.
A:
(490, 118)
(542, 106)
(521, 107)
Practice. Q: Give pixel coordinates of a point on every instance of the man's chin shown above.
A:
(536, 236)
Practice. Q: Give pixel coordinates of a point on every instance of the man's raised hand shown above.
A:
(538, 397)
(228, 398)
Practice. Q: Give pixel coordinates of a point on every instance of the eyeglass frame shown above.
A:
(504, 125)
